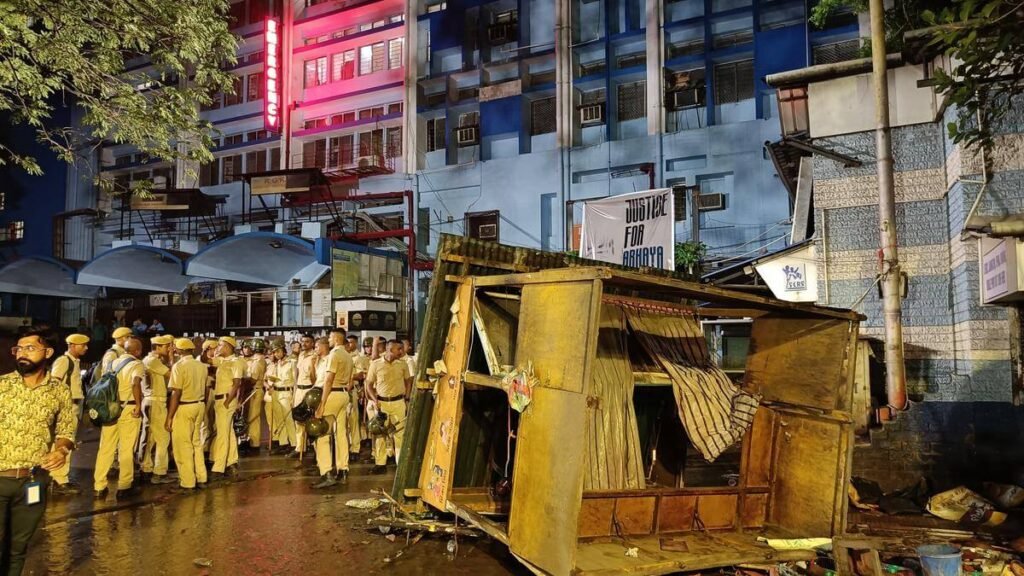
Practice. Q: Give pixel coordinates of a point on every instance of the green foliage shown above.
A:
(78, 52)
(689, 256)
(986, 43)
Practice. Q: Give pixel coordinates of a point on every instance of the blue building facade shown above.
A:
(525, 108)
(28, 204)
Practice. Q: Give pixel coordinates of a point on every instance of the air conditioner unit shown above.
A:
(715, 201)
(687, 98)
(467, 136)
(372, 161)
(487, 232)
(592, 114)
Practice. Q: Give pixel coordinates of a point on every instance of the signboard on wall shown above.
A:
(320, 309)
(279, 184)
(1000, 270)
(792, 275)
(158, 300)
(344, 273)
(272, 76)
(636, 230)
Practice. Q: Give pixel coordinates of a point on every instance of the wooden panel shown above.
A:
(754, 510)
(717, 510)
(557, 332)
(553, 322)
(675, 513)
(439, 457)
(496, 322)
(808, 474)
(759, 449)
(800, 361)
(596, 517)
(635, 515)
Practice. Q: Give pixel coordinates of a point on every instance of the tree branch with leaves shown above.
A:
(136, 72)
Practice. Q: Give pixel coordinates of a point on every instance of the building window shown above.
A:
(255, 91)
(394, 108)
(214, 103)
(542, 116)
(256, 135)
(316, 72)
(235, 96)
(275, 158)
(734, 82)
(435, 134)
(314, 154)
(257, 11)
(483, 225)
(233, 139)
(256, 161)
(342, 150)
(632, 101)
(343, 65)
(209, 174)
(371, 58)
(232, 169)
(394, 139)
(236, 14)
(395, 53)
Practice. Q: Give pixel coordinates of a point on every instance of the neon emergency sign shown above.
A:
(272, 74)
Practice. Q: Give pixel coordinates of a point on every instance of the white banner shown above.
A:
(636, 230)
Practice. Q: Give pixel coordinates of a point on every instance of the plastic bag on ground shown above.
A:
(966, 507)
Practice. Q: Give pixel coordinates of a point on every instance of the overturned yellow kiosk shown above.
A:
(575, 412)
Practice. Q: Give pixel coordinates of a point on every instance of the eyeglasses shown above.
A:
(30, 349)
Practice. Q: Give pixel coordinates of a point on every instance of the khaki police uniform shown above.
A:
(279, 410)
(68, 370)
(109, 357)
(356, 426)
(225, 442)
(256, 368)
(388, 381)
(189, 376)
(155, 458)
(339, 363)
(120, 438)
(305, 375)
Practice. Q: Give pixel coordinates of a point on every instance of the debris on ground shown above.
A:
(633, 552)
(365, 503)
(203, 562)
(797, 543)
(966, 507)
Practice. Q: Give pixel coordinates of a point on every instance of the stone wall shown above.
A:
(962, 424)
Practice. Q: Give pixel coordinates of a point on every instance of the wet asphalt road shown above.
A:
(269, 521)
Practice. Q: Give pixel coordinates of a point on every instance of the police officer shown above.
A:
(158, 367)
(116, 351)
(305, 375)
(209, 352)
(230, 371)
(67, 369)
(120, 438)
(388, 383)
(355, 424)
(256, 366)
(186, 414)
(281, 385)
(334, 378)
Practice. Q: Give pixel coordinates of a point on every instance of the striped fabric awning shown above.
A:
(715, 412)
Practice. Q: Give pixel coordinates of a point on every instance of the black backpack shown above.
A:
(101, 401)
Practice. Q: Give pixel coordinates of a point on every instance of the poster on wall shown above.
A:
(320, 309)
(158, 299)
(635, 230)
(344, 273)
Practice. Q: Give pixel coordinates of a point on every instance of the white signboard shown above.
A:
(1002, 270)
(158, 299)
(636, 230)
(321, 308)
(791, 275)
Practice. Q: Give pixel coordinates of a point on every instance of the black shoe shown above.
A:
(68, 489)
(160, 479)
(283, 450)
(125, 492)
(144, 477)
(232, 471)
(377, 469)
(353, 458)
(201, 485)
(326, 481)
(101, 494)
(217, 476)
(343, 476)
(182, 490)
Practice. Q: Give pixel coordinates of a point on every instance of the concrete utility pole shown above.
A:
(896, 382)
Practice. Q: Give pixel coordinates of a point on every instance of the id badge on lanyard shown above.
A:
(33, 489)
